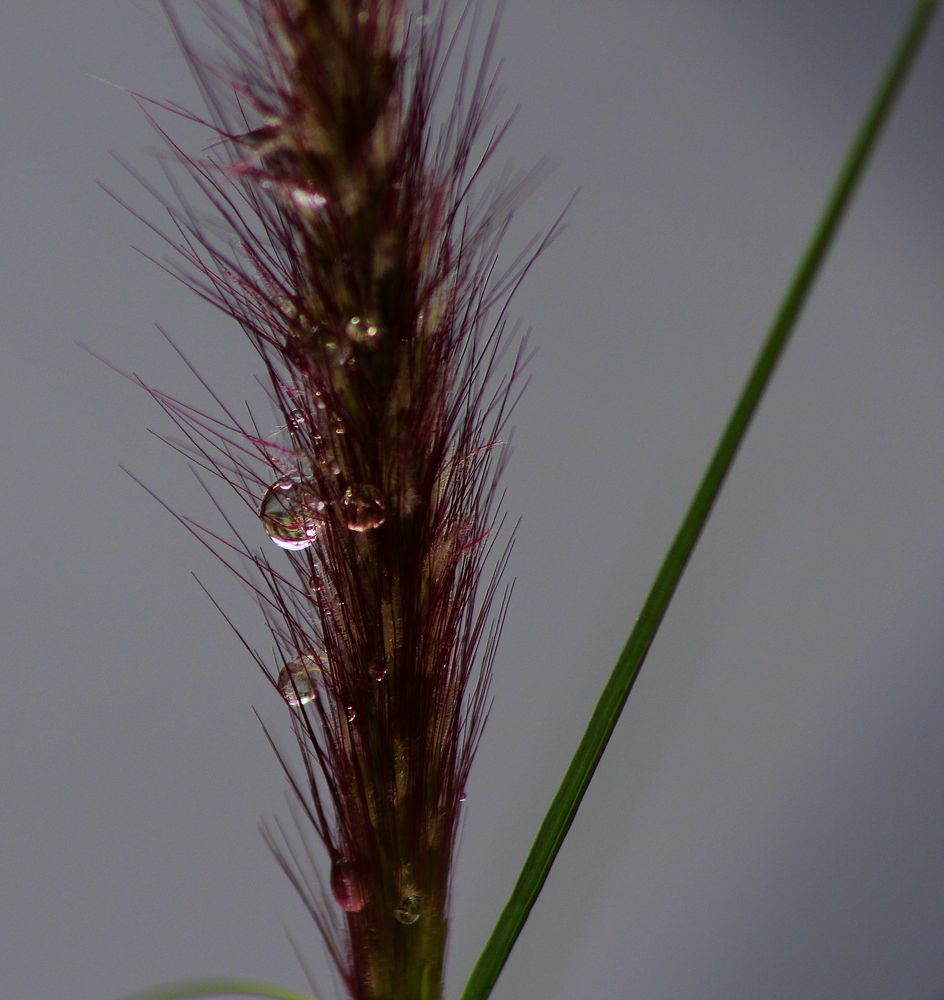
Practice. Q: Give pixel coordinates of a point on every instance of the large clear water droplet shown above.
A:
(362, 330)
(297, 680)
(408, 910)
(351, 713)
(291, 513)
(363, 508)
(346, 886)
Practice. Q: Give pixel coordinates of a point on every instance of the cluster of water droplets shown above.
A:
(295, 507)
(293, 513)
(362, 330)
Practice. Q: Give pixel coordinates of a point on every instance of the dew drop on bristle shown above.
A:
(363, 508)
(351, 714)
(462, 796)
(307, 200)
(408, 911)
(297, 680)
(296, 420)
(346, 887)
(362, 330)
(338, 351)
(291, 513)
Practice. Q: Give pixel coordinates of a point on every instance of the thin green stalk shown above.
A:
(219, 988)
(606, 714)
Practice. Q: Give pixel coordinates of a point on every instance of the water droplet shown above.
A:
(379, 673)
(338, 351)
(306, 199)
(339, 427)
(296, 420)
(462, 796)
(362, 330)
(408, 912)
(297, 680)
(291, 513)
(346, 886)
(315, 585)
(351, 714)
(363, 508)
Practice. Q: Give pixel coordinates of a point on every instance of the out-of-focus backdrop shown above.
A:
(768, 821)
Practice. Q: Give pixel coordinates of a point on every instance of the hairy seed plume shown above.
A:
(345, 236)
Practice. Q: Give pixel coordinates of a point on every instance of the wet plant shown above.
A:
(349, 241)
(349, 237)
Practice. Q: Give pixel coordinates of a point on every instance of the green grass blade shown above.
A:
(567, 800)
(218, 988)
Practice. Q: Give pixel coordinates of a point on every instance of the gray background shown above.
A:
(768, 821)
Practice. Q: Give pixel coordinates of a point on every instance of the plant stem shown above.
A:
(563, 808)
